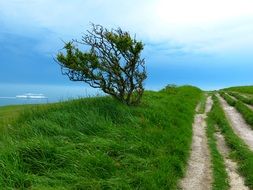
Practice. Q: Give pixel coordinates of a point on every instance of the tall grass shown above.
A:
(98, 143)
(240, 151)
(241, 89)
(202, 104)
(244, 99)
(231, 101)
(245, 111)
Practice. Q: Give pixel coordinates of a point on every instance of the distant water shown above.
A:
(51, 93)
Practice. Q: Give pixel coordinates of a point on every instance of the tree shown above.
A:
(112, 63)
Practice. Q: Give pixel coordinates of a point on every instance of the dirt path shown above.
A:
(236, 182)
(238, 124)
(198, 175)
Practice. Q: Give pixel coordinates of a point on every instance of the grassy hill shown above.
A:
(241, 89)
(98, 143)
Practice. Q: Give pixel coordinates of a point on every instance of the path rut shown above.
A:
(249, 106)
(236, 181)
(198, 175)
(240, 127)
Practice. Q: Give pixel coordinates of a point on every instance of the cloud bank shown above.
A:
(189, 33)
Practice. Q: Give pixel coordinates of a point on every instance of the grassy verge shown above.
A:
(228, 99)
(241, 89)
(241, 98)
(7, 113)
(98, 143)
(245, 111)
(220, 176)
(240, 151)
(202, 104)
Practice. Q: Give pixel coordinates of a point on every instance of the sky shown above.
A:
(207, 43)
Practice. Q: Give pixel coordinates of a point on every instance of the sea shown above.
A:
(18, 94)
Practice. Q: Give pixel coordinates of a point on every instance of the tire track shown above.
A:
(249, 106)
(236, 181)
(238, 124)
(199, 174)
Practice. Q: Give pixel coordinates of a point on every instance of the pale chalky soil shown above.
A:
(198, 175)
(236, 181)
(240, 127)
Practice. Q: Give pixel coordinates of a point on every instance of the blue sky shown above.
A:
(198, 42)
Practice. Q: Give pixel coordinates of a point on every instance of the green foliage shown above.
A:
(241, 89)
(99, 143)
(228, 99)
(202, 103)
(244, 99)
(246, 112)
(240, 151)
(113, 63)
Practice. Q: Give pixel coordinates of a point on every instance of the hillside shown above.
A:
(98, 143)
(241, 89)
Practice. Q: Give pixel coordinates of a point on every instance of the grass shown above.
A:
(245, 111)
(202, 103)
(231, 101)
(8, 113)
(240, 151)
(220, 176)
(98, 143)
(244, 99)
(241, 89)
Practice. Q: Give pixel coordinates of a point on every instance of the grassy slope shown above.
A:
(241, 89)
(98, 143)
(240, 151)
(202, 103)
(246, 100)
(245, 111)
(9, 112)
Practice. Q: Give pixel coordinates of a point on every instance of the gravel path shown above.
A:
(236, 181)
(238, 124)
(198, 175)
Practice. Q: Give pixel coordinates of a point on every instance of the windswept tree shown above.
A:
(110, 60)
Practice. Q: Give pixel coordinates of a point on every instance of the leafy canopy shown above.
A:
(113, 63)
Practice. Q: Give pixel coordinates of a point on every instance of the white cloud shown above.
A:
(200, 25)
